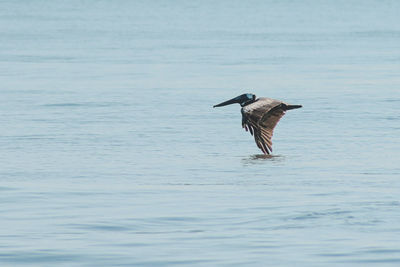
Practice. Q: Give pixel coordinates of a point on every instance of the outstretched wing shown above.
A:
(260, 118)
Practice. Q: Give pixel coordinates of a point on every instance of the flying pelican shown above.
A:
(260, 116)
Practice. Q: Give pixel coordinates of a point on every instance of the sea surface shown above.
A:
(112, 155)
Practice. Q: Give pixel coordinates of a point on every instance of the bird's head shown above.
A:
(243, 100)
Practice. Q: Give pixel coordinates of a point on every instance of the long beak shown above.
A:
(231, 101)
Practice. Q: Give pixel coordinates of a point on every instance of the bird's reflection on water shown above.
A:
(262, 158)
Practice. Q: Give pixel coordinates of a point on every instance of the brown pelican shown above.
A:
(260, 116)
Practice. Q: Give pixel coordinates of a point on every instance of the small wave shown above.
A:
(41, 256)
(63, 105)
(84, 104)
(260, 158)
(391, 100)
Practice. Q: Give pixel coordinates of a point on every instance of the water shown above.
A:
(112, 155)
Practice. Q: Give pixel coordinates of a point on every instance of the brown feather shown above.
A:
(260, 118)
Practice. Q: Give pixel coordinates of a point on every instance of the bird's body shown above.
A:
(260, 116)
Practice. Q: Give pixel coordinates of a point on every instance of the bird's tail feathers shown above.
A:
(289, 107)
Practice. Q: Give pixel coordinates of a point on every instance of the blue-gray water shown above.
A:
(112, 155)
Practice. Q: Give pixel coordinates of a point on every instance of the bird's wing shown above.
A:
(260, 118)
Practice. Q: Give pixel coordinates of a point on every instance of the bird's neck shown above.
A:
(247, 102)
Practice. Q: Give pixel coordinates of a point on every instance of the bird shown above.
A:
(260, 116)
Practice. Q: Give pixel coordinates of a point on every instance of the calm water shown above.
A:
(112, 155)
